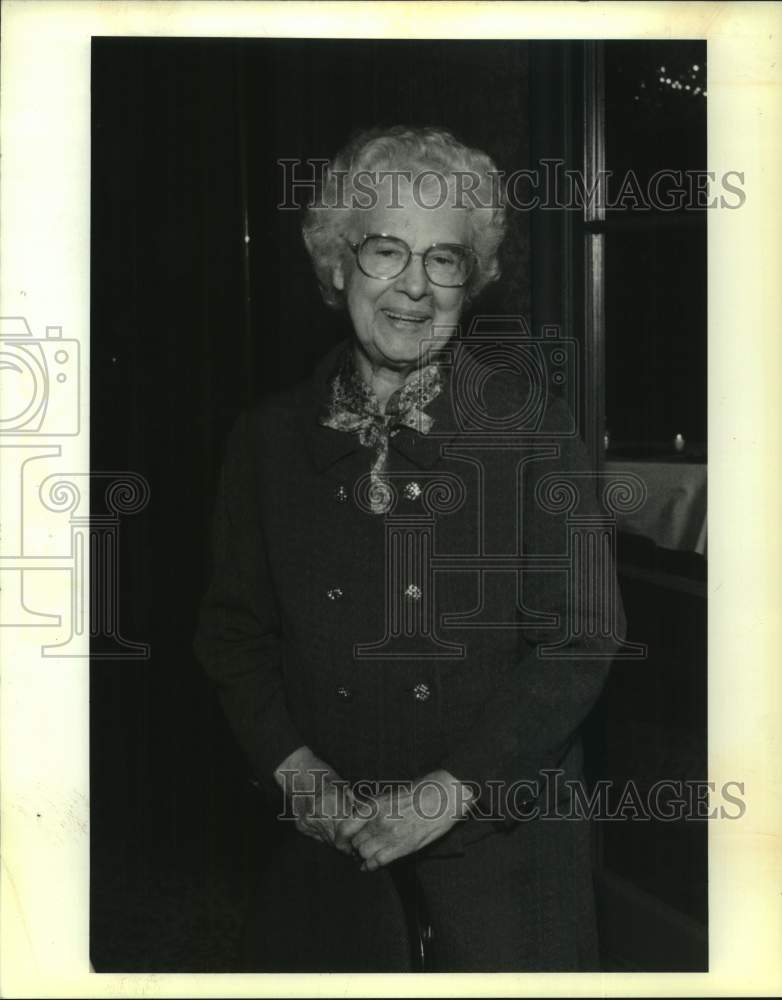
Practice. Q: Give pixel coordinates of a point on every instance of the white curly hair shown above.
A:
(468, 173)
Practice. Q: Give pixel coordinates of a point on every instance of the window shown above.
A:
(651, 138)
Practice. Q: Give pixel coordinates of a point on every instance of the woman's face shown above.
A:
(391, 319)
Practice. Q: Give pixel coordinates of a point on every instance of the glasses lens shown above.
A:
(383, 256)
(448, 265)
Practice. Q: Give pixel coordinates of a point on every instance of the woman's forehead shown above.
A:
(414, 222)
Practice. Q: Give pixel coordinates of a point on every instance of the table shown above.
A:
(674, 514)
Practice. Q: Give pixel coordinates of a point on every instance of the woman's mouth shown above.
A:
(406, 320)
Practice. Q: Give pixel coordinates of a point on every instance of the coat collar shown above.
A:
(328, 446)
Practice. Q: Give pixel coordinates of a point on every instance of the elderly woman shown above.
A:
(392, 622)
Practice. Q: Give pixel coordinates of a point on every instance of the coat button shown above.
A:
(413, 591)
(341, 494)
(335, 593)
(412, 491)
(344, 693)
(421, 692)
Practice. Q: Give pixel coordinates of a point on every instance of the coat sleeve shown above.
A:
(530, 722)
(237, 639)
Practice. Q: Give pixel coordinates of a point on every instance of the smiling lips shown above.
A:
(406, 317)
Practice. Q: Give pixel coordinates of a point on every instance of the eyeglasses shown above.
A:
(385, 257)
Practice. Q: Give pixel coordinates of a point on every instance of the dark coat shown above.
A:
(327, 625)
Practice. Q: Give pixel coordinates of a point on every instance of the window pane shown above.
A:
(655, 117)
(656, 338)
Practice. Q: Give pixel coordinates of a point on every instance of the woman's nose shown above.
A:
(414, 280)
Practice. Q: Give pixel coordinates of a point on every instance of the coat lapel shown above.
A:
(325, 445)
(426, 450)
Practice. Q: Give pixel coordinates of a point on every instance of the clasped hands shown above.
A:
(375, 829)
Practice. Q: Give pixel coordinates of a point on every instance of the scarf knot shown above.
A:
(353, 407)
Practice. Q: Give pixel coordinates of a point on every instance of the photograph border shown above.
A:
(44, 248)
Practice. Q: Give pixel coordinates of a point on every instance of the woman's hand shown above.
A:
(320, 800)
(406, 820)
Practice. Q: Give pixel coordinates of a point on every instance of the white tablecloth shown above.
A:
(674, 514)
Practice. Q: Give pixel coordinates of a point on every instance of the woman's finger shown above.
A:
(366, 833)
(346, 831)
(383, 857)
(309, 831)
(368, 848)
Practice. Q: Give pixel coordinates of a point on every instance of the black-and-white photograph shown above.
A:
(407, 667)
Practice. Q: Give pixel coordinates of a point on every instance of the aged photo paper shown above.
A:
(62, 527)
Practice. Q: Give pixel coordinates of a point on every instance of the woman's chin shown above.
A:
(404, 348)
(409, 347)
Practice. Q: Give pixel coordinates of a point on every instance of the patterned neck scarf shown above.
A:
(353, 406)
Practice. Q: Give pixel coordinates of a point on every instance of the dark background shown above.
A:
(655, 261)
(190, 323)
